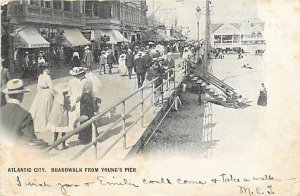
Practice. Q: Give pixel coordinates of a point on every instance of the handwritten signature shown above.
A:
(257, 191)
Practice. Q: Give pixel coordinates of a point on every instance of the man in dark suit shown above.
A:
(16, 123)
(148, 59)
(5, 76)
(141, 69)
(110, 60)
(129, 62)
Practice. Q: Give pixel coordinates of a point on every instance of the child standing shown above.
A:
(59, 118)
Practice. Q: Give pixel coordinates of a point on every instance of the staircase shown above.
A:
(207, 83)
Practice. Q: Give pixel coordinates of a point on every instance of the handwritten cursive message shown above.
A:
(239, 182)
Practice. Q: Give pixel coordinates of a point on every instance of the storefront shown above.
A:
(115, 40)
(73, 40)
(28, 40)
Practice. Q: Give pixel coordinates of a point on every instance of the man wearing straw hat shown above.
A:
(16, 122)
(88, 58)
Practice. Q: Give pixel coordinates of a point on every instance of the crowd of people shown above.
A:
(63, 107)
(60, 108)
(55, 108)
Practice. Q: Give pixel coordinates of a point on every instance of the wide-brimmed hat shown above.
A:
(62, 87)
(77, 70)
(87, 47)
(15, 86)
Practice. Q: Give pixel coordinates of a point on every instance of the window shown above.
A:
(57, 5)
(96, 9)
(67, 5)
(217, 39)
(76, 6)
(89, 8)
(45, 3)
(34, 2)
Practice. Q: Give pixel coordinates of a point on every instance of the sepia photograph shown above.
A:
(150, 97)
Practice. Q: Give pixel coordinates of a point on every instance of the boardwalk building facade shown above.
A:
(35, 25)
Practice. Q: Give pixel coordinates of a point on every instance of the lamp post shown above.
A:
(198, 14)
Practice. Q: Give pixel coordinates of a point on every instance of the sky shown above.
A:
(222, 11)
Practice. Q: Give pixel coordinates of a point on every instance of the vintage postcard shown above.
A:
(150, 97)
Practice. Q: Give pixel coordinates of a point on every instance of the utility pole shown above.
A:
(207, 37)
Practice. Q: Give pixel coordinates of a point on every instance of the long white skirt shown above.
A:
(40, 109)
(123, 70)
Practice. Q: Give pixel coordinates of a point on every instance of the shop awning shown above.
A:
(30, 38)
(119, 36)
(114, 35)
(89, 34)
(73, 37)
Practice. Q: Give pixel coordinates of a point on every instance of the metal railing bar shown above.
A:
(132, 109)
(119, 138)
(113, 106)
(134, 122)
(161, 120)
(97, 138)
(109, 128)
(82, 151)
(148, 108)
(69, 134)
(147, 97)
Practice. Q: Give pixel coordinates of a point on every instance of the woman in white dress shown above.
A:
(42, 103)
(122, 67)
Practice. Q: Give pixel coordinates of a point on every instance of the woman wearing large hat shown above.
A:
(75, 92)
(42, 103)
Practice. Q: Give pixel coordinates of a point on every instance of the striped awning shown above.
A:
(30, 38)
(73, 38)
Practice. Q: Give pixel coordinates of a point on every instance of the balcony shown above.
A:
(35, 14)
(105, 23)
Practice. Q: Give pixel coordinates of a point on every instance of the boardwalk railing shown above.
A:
(158, 89)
